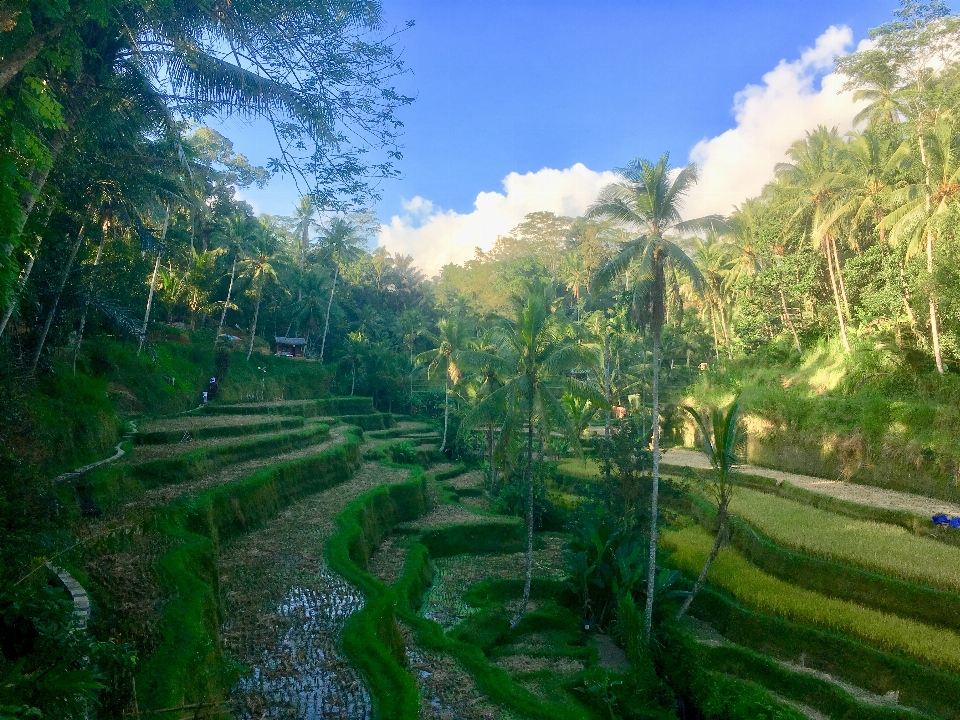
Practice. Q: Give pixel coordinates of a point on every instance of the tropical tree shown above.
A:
(303, 223)
(259, 271)
(718, 430)
(238, 232)
(810, 187)
(648, 199)
(923, 208)
(535, 356)
(714, 259)
(448, 357)
(341, 243)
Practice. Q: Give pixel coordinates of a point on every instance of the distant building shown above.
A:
(290, 346)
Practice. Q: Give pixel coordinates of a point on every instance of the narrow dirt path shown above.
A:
(285, 610)
(852, 492)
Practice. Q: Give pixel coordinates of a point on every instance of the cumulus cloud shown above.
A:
(794, 97)
(436, 237)
(789, 101)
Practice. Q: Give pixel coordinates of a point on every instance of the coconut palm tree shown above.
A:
(648, 199)
(534, 357)
(719, 433)
(922, 207)
(237, 232)
(448, 357)
(259, 271)
(303, 223)
(714, 259)
(341, 243)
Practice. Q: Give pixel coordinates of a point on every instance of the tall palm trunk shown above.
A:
(840, 281)
(411, 379)
(655, 492)
(146, 315)
(836, 300)
(446, 412)
(223, 315)
(253, 331)
(713, 323)
(56, 301)
(528, 573)
(718, 540)
(86, 305)
(492, 474)
(326, 323)
(153, 281)
(27, 269)
(606, 396)
(789, 320)
(723, 326)
(934, 325)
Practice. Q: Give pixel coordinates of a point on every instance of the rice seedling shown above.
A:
(756, 589)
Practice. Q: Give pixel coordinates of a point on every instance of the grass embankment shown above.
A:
(111, 486)
(371, 637)
(868, 417)
(188, 665)
(372, 640)
(196, 431)
(305, 408)
(802, 687)
(756, 589)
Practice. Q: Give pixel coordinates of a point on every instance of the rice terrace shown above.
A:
(399, 360)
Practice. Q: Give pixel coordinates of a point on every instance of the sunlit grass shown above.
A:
(758, 590)
(888, 549)
(586, 468)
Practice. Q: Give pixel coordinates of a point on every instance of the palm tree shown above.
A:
(453, 335)
(238, 231)
(535, 356)
(381, 262)
(647, 200)
(810, 186)
(303, 219)
(412, 326)
(341, 244)
(259, 271)
(921, 208)
(713, 257)
(719, 433)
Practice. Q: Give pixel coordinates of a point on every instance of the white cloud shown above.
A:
(736, 164)
(436, 237)
(794, 97)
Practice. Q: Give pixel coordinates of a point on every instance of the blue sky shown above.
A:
(517, 87)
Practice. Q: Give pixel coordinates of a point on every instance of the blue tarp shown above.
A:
(942, 519)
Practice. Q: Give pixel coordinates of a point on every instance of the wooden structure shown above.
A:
(290, 346)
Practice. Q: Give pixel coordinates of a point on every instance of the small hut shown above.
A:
(290, 346)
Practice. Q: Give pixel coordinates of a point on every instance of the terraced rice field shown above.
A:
(285, 610)
(887, 549)
(756, 589)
